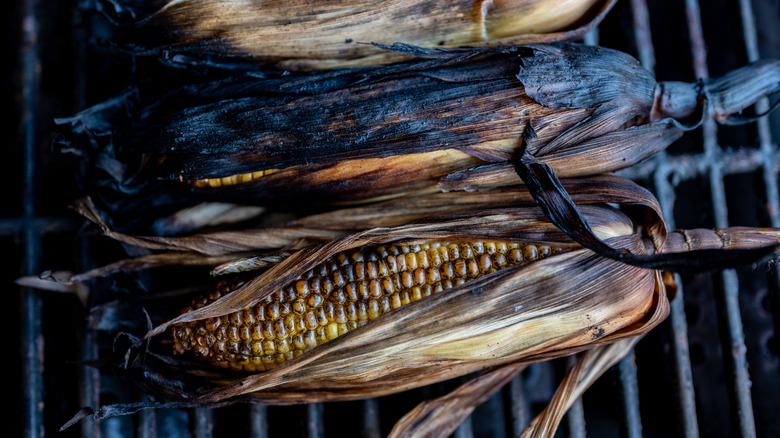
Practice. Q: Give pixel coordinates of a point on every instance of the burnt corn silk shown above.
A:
(450, 119)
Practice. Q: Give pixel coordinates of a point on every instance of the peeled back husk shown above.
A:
(554, 306)
(317, 34)
(570, 301)
(449, 120)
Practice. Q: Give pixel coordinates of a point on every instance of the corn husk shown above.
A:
(572, 301)
(455, 118)
(555, 306)
(315, 35)
(245, 249)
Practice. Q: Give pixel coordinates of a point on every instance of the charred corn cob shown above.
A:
(306, 34)
(340, 294)
(567, 300)
(454, 119)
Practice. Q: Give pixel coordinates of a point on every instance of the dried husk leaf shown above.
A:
(315, 35)
(548, 308)
(348, 136)
(559, 305)
(440, 417)
(230, 249)
(588, 368)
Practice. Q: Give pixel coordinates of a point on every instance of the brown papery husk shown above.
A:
(441, 416)
(306, 35)
(223, 248)
(552, 307)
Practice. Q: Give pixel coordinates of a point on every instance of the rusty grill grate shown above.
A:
(711, 369)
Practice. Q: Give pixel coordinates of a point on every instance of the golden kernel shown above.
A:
(530, 253)
(332, 331)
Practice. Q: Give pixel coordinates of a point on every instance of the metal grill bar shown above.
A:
(31, 301)
(684, 390)
(258, 418)
(736, 362)
(768, 150)
(632, 422)
(315, 421)
(371, 419)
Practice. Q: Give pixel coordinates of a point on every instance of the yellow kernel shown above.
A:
(530, 253)
(422, 258)
(400, 263)
(387, 286)
(332, 331)
(381, 268)
(272, 310)
(310, 320)
(460, 268)
(447, 271)
(298, 307)
(371, 270)
(373, 309)
(338, 313)
(314, 301)
(309, 339)
(453, 251)
(434, 259)
(268, 330)
(301, 288)
(390, 266)
(411, 261)
(244, 333)
(395, 301)
(269, 346)
(406, 279)
(322, 318)
(351, 311)
(374, 289)
(485, 263)
(432, 275)
(321, 336)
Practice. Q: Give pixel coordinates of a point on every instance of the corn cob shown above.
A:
(340, 294)
(567, 301)
(312, 35)
(453, 117)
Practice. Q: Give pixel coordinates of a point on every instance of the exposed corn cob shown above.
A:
(340, 294)
(326, 34)
(365, 134)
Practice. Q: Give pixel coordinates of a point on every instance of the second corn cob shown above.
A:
(453, 118)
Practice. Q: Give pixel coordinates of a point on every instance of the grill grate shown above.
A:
(712, 367)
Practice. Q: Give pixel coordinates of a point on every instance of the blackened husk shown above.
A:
(346, 136)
